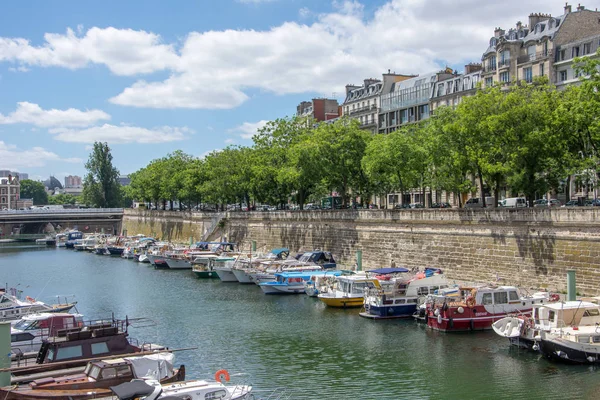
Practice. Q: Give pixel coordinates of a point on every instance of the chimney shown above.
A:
(519, 25)
(498, 32)
(472, 67)
(580, 7)
(567, 8)
(9, 178)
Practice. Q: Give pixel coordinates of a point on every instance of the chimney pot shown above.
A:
(567, 8)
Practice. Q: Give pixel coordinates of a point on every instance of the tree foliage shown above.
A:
(101, 186)
(34, 190)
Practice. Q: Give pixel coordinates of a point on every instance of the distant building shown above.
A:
(319, 109)
(450, 91)
(124, 180)
(10, 190)
(52, 185)
(4, 173)
(72, 181)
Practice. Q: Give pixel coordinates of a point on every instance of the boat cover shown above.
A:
(131, 390)
(154, 366)
(385, 271)
(280, 250)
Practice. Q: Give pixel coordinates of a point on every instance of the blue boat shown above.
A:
(399, 298)
(72, 237)
(292, 282)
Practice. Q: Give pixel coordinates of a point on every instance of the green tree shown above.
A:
(101, 186)
(34, 190)
(63, 198)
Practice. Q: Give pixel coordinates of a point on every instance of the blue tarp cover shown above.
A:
(388, 270)
(279, 251)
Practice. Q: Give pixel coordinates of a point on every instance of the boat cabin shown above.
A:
(323, 258)
(104, 338)
(564, 314)
(353, 285)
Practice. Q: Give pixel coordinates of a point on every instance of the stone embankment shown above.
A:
(532, 248)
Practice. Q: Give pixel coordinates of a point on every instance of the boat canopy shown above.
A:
(280, 251)
(385, 271)
(131, 390)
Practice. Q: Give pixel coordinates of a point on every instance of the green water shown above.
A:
(291, 342)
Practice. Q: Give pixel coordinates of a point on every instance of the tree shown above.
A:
(63, 198)
(34, 190)
(101, 186)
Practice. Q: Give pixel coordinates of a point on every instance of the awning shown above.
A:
(385, 271)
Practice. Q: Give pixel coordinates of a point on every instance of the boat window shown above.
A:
(513, 295)
(422, 291)
(551, 315)
(21, 337)
(219, 394)
(414, 301)
(400, 301)
(500, 298)
(65, 353)
(358, 288)
(596, 339)
(123, 370)
(591, 313)
(486, 299)
(108, 373)
(583, 339)
(93, 372)
(99, 348)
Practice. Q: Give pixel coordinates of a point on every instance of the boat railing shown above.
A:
(275, 394)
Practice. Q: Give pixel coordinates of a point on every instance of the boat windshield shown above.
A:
(92, 370)
(359, 287)
(24, 325)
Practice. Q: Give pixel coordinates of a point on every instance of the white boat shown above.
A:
(292, 282)
(572, 344)
(189, 390)
(224, 269)
(178, 263)
(86, 243)
(144, 259)
(61, 239)
(524, 331)
(13, 308)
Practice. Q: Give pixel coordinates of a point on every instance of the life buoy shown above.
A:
(439, 319)
(220, 374)
(470, 302)
(30, 299)
(554, 297)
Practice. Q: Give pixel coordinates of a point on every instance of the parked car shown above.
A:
(401, 206)
(546, 203)
(571, 203)
(593, 203)
(373, 206)
(416, 205)
(474, 202)
(514, 202)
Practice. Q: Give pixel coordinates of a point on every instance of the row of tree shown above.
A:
(527, 138)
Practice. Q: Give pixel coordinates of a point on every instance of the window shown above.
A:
(99, 348)
(65, 353)
(575, 52)
(586, 48)
(123, 370)
(531, 52)
(500, 298)
(492, 63)
(562, 76)
(21, 337)
(583, 339)
(422, 291)
(108, 373)
(489, 82)
(563, 55)
(527, 74)
(551, 316)
(219, 394)
(542, 69)
(513, 295)
(486, 299)
(504, 77)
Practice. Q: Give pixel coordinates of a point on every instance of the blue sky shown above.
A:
(151, 77)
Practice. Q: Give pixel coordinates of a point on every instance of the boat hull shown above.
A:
(242, 276)
(206, 274)
(175, 263)
(569, 352)
(278, 288)
(389, 311)
(226, 275)
(342, 302)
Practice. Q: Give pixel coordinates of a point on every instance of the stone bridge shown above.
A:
(15, 223)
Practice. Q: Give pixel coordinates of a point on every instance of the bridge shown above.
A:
(19, 223)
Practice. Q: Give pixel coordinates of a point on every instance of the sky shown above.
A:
(152, 77)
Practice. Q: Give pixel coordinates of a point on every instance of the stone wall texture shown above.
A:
(532, 248)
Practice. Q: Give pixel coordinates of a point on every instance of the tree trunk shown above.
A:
(482, 194)
(496, 193)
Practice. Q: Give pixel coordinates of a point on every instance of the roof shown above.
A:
(544, 28)
(131, 390)
(414, 82)
(386, 271)
(570, 305)
(280, 250)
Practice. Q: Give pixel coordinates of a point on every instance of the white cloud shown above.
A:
(114, 134)
(12, 157)
(229, 141)
(29, 113)
(18, 69)
(123, 51)
(304, 12)
(249, 129)
(216, 69)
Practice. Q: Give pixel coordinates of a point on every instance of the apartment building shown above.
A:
(319, 109)
(362, 102)
(10, 189)
(450, 91)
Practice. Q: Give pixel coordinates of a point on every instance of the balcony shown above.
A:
(542, 55)
(372, 107)
(489, 68)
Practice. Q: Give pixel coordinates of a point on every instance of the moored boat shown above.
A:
(571, 344)
(12, 307)
(223, 266)
(27, 334)
(292, 282)
(348, 291)
(477, 308)
(400, 298)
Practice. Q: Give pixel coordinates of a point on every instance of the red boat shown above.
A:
(477, 308)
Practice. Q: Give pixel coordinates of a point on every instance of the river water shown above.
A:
(291, 342)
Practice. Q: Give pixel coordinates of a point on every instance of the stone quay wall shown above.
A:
(532, 248)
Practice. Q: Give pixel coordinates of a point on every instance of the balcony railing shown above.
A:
(504, 63)
(534, 57)
(363, 109)
(489, 68)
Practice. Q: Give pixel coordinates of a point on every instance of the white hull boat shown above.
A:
(178, 263)
(226, 274)
(242, 275)
(189, 390)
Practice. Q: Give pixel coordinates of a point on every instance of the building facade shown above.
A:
(362, 102)
(4, 173)
(545, 46)
(449, 91)
(72, 181)
(319, 109)
(10, 190)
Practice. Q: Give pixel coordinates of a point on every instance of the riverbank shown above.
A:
(526, 247)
